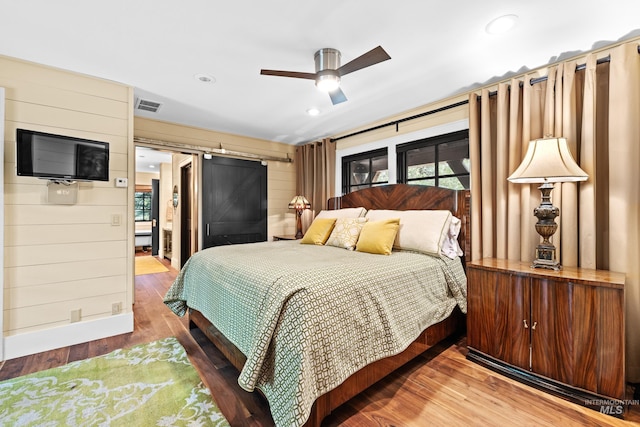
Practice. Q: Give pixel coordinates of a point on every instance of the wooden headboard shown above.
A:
(407, 197)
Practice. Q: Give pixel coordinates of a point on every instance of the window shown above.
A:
(441, 161)
(364, 170)
(142, 205)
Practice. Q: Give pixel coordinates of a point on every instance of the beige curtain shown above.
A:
(598, 110)
(624, 189)
(315, 176)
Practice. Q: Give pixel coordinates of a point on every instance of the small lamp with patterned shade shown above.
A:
(299, 203)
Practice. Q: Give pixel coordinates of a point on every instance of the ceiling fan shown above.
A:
(328, 70)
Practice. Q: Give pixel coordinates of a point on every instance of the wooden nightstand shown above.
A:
(284, 237)
(560, 331)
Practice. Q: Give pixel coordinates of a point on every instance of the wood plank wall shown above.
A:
(60, 258)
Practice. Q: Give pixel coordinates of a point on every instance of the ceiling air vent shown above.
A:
(146, 105)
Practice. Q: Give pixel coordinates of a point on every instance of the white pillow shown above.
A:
(342, 213)
(420, 230)
(450, 247)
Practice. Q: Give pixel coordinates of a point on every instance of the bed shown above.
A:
(311, 326)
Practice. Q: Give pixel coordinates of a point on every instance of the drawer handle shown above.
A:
(525, 323)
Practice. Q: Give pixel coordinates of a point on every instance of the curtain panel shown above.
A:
(315, 176)
(597, 109)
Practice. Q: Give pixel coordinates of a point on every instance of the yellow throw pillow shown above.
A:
(377, 237)
(319, 231)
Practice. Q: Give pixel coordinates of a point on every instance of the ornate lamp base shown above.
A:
(299, 224)
(546, 227)
(544, 263)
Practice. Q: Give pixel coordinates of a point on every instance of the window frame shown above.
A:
(368, 155)
(146, 194)
(434, 141)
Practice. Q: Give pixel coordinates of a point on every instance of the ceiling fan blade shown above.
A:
(337, 96)
(372, 57)
(295, 74)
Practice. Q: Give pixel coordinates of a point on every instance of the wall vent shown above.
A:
(147, 105)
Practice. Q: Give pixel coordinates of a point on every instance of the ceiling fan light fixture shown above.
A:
(327, 80)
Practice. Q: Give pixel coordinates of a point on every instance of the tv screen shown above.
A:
(58, 157)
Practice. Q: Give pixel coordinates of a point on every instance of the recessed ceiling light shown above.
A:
(152, 166)
(501, 24)
(205, 78)
(313, 111)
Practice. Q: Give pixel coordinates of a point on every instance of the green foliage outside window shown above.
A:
(142, 206)
(425, 175)
(441, 161)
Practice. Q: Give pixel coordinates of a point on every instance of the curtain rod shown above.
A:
(208, 150)
(397, 122)
(457, 104)
(579, 67)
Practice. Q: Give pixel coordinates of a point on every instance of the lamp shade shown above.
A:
(299, 203)
(548, 160)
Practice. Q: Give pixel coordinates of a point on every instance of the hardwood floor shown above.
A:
(439, 388)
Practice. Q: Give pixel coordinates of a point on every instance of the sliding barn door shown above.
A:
(234, 201)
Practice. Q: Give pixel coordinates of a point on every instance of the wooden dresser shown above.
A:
(560, 331)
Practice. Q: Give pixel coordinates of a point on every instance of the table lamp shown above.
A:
(299, 203)
(547, 160)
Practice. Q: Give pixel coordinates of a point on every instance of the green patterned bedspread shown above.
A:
(307, 317)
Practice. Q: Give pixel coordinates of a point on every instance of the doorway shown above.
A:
(168, 170)
(153, 177)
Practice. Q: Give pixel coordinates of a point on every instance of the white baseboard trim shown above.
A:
(64, 336)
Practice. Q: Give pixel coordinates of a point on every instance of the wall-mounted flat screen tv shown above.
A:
(58, 157)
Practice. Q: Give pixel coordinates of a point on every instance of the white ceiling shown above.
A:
(149, 160)
(437, 49)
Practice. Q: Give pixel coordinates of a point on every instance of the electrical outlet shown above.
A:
(116, 219)
(116, 308)
(75, 315)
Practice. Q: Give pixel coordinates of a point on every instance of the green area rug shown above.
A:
(147, 385)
